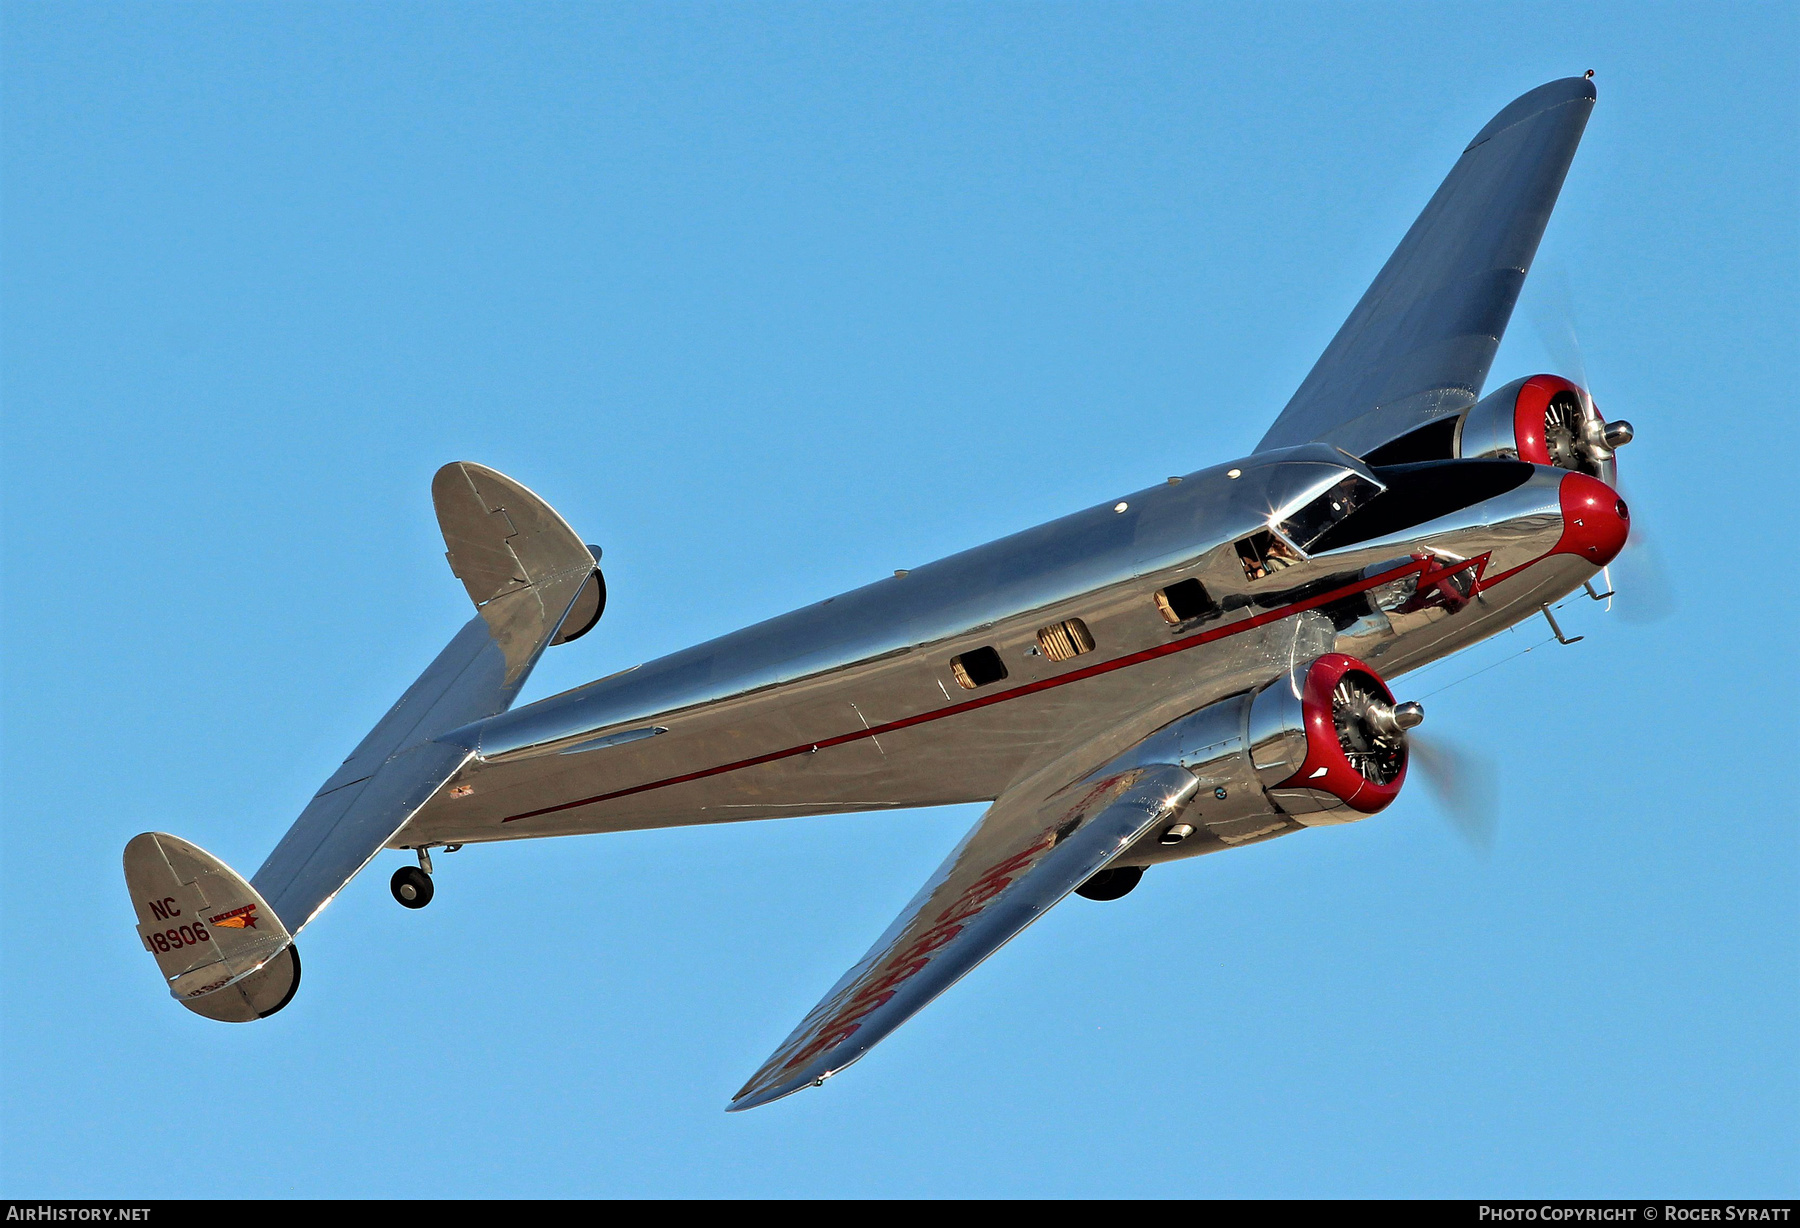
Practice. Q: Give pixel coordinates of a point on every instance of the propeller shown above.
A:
(1377, 735)
(1465, 786)
(1637, 576)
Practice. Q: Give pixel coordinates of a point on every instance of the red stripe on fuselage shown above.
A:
(1416, 566)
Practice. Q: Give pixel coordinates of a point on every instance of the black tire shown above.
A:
(411, 887)
(1111, 883)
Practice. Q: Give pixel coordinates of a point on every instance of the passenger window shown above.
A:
(1065, 641)
(1188, 599)
(1264, 554)
(977, 668)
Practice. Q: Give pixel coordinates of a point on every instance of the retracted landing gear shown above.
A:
(411, 885)
(1111, 883)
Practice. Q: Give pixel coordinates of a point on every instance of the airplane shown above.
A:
(1189, 668)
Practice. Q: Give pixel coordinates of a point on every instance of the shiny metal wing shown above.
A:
(1419, 344)
(1030, 849)
(524, 568)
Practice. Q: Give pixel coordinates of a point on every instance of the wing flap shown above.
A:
(1027, 853)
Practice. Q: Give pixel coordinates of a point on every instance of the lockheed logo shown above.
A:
(236, 919)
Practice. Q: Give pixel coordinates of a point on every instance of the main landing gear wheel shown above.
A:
(411, 886)
(1111, 883)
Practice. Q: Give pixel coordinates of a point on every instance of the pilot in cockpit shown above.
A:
(1279, 555)
(1264, 553)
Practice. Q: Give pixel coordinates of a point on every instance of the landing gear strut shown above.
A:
(1111, 883)
(411, 885)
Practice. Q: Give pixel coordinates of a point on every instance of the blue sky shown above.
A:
(769, 301)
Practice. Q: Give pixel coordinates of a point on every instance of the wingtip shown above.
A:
(1534, 102)
(748, 1099)
(755, 1100)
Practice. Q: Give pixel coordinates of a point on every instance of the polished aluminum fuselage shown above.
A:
(851, 704)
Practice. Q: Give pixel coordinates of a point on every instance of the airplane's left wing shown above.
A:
(1417, 347)
(1031, 848)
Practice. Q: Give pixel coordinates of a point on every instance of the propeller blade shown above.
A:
(1465, 786)
(1645, 592)
(1553, 316)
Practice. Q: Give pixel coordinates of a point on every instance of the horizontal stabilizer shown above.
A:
(525, 569)
(221, 948)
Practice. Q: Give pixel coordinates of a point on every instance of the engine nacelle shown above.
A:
(1325, 743)
(1328, 742)
(1545, 420)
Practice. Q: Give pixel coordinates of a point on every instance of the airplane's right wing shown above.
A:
(1027, 852)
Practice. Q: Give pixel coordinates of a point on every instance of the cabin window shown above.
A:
(1065, 641)
(1180, 602)
(1416, 494)
(1264, 554)
(1317, 516)
(977, 668)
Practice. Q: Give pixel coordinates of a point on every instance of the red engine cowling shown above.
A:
(1546, 420)
(1328, 742)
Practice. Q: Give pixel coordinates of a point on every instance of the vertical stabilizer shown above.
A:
(221, 948)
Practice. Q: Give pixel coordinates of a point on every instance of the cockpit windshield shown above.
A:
(1316, 517)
